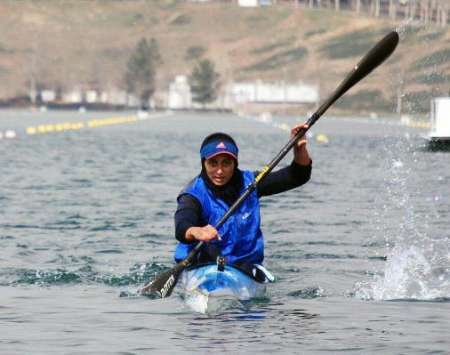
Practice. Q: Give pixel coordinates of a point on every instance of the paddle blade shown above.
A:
(377, 55)
(164, 283)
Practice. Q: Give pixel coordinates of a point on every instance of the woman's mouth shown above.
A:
(219, 178)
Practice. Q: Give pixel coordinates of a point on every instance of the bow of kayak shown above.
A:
(204, 287)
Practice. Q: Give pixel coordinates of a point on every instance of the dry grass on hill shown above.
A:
(72, 43)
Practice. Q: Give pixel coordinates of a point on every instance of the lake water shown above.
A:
(360, 253)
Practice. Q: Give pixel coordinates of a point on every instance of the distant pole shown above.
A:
(439, 14)
(33, 89)
(422, 11)
(412, 10)
(435, 12)
(392, 10)
(444, 14)
(377, 8)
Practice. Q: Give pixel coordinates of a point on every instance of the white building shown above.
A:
(278, 93)
(254, 3)
(91, 96)
(242, 92)
(73, 97)
(48, 95)
(248, 3)
(440, 119)
(180, 96)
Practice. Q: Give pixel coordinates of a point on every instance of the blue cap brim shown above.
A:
(217, 147)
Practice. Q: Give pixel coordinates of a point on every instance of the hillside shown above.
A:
(64, 44)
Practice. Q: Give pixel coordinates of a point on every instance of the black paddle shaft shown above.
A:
(164, 282)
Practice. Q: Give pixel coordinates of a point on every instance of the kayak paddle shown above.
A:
(164, 283)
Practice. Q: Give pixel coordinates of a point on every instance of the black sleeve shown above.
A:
(188, 214)
(284, 179)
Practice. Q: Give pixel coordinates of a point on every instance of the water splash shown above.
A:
(417, 264)
(410, 274)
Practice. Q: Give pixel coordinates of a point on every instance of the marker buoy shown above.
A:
(322, 138)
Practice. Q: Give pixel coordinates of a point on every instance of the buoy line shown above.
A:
(79, 125)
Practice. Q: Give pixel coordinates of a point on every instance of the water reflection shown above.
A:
(269, 326)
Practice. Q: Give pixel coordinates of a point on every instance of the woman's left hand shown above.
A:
(301, 155)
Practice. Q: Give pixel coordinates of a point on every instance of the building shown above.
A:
(254, 3)
(273, 93)
(440, 121)
(180, 96)
(72, 97)
(91, 96)
(48, 96)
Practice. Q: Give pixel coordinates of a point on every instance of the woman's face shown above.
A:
(220, 169)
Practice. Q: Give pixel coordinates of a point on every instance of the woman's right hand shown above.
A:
(204, 234)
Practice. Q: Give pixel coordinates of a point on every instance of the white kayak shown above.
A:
(206, 288)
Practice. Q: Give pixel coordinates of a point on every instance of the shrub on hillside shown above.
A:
(280, 59)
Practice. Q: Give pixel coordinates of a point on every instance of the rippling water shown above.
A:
(361, 253)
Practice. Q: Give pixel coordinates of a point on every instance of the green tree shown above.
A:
(141, 70)
(204, 82)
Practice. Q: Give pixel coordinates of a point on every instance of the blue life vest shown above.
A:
(242, 240)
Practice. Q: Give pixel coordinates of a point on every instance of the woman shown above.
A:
(203, 202)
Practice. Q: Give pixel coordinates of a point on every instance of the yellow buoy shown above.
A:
(322, 138)
(31, 130)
